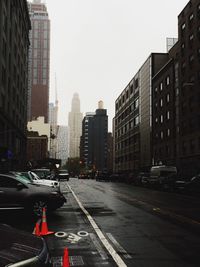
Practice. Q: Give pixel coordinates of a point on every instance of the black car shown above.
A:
(192, 186)
(17, 193)
(102, 176)
(19, 248)
(62, 175)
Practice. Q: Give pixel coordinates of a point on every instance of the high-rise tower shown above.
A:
(75, 125)
(38, 96)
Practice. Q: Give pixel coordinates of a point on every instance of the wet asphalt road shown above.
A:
(115, 224)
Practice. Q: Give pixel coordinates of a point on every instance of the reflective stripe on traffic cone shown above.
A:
(36, 230)
(66, 258)
(44, 228)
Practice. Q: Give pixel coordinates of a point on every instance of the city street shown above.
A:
(116, 224)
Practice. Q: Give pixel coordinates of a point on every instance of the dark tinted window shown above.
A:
(8, 182)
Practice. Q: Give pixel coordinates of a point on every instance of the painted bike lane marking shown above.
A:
(101, 236)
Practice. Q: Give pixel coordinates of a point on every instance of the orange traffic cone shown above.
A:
(66, 258)
(36, 230)
(44, 228)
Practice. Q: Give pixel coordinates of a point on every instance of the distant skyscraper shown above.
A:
(75, 125)
(53, 120)
(38, 96)
(94, 139)
(63, 144)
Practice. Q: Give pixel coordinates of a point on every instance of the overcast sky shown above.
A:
(97, 46)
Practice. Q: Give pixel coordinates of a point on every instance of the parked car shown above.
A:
(18, 249)
(44, 174)
(163, 176)
(192, 186)
(140, 178)
(102, 176)
(114, 177)
(17, 192)
(62, 175)
(32, 177)
(83, 176)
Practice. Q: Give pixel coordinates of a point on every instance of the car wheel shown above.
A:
(37, 207)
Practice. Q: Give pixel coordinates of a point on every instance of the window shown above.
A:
(183, 27)
(8, 182)
(191, 17)
(136, 121)
(161, 118)
(191, 37)
(136, 103)
(168, 115)
(161, 86)
(168, 98)
(161, 102)
(131, 88)
(161, 135)
(167, 80)
(136, 83)
(168, 132)
(191, 59)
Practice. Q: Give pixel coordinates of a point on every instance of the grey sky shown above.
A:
(98, 45)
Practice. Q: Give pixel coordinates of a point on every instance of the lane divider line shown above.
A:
(118, 260)
(118, 246)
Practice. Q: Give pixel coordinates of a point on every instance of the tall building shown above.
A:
(38, 96)
(53, 121)
(75, 124)
(176, 124)
(189, 87)
(94, 139)
(63, 144)
(100, 138)
(133, 119)
(14, 44)
(86, 145)
(165, 111)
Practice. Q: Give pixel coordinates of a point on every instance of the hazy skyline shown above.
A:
(98, 46)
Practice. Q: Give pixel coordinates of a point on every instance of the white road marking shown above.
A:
(98, 246)
(101, 236)
(119, 247)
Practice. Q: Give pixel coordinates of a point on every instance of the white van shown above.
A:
(163, 175)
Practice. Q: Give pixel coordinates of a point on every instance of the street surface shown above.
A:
(115, 224)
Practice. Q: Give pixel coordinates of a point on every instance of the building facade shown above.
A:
(39, 57)
(86, 144)
(63, 144)
(14, 45)
(36, 148)
(94, 140)
(133, 119)
(75, 125)
(42, 128)
(53, 121)
(189, 84)
(176, 131)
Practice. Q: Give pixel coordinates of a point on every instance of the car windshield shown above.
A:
(34, 176)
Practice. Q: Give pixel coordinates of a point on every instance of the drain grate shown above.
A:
(56, 261)
(74, 261)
